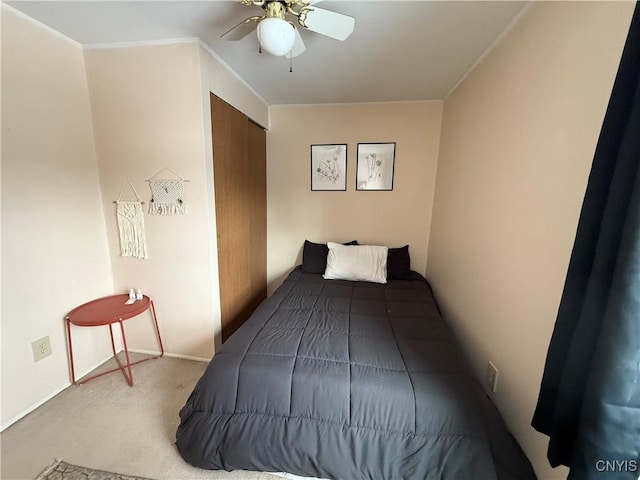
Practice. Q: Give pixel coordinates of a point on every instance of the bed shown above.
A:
(344, 379)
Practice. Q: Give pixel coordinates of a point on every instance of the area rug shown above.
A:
(61, 470)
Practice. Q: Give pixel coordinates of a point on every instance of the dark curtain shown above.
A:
(589, 401)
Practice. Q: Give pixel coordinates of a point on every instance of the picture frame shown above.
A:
(375, 166)
(329, 167)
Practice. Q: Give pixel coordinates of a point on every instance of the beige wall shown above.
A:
(393, 218)
(218, 78)
(54, 247)
(150, 109)
(518, 138)
(146, 104)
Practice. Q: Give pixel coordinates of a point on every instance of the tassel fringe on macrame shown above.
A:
(168, 208)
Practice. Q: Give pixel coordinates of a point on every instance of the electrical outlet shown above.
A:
(492, 376)
(41, 348)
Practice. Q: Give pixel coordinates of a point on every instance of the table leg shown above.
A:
(126, 356)
(113, 345)
(73, 371)
(155, 322)
(121, 367)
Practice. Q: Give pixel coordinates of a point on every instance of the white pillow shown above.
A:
(367, 263)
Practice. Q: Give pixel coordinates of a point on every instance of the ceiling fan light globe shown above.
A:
(276, 36)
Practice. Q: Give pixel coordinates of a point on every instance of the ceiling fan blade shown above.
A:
(242, 29)
(298, 46)
(332, 24)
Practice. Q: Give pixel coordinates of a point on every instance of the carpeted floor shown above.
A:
(107, 425)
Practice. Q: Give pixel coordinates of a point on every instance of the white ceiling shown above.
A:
(399, 51)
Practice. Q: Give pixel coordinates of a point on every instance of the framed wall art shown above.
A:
(375, 166)
(329, 167)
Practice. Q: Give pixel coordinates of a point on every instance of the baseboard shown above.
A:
(66, 385)
(26, 412)
(171, 355)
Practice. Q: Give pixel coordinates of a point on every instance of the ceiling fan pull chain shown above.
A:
(290, 63)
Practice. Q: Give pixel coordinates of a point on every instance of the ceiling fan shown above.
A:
(279, 36)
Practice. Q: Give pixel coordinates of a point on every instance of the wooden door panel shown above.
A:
(229, 131)
(239, 169)
(257, 146)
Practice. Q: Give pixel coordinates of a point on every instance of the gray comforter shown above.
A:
(347, 380)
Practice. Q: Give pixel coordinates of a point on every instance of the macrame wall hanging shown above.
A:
(131, 225)
(167, 194)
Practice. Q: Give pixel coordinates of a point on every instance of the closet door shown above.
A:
(239, 169)
(257, 144)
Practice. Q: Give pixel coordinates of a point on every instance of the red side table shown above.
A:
(107, 311)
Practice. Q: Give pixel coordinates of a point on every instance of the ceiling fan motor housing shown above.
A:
(276, 9)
